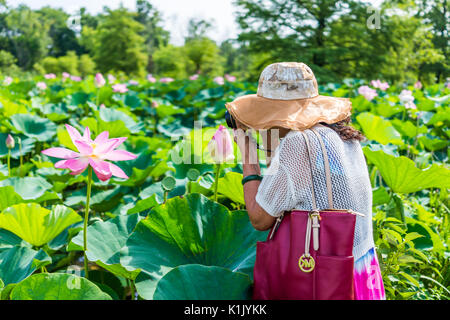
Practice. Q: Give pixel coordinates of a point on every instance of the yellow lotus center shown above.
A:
(93, 145)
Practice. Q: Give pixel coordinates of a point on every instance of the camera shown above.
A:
(231, 123)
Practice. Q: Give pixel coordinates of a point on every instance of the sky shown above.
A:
(176, 13)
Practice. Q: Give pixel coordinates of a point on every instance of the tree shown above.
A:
(170, 61)
(202, 52)
(63, 38)
(23, 35)
(118, 45)
(155, 36)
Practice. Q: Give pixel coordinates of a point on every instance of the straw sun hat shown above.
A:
(288, 97)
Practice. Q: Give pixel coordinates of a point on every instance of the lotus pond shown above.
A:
(176, 228)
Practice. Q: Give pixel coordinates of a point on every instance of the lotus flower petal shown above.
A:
(77, 165)
(117, 172)
(102, 137)
(101, 169)
(119, 155)
(73, 133)
(84, 147)
(61, 153)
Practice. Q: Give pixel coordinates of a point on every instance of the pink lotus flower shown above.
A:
(367, 92)
(150, 78)
(380, 85)
(406, 96)
(93, 153)
(133, 83)
(41, 85)
(230, 78)
(220, 146)
(65, 75)
(410, 105)
(166, 80)
(7, 81)
(111, 78)
(75, 78)
(418, 85)
(50, 76)
(155, 104)
(122, 88)
(193, 77)
(219, 80)
(99, 80)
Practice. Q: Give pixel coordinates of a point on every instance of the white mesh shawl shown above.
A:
(287, 182)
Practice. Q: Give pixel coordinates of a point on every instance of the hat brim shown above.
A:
(262, 113)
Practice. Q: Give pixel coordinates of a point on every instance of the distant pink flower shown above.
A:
(41, 85)
(155, 104)
(166, 80)
(133, 82)
(219, 80)
(406, 96)
(380, 85)
(122, 88)
(75, 78)
(418, 85)
(7, 81)
(367, 92)
(410, 105)
(50, 76)
(99, 80)
(65, 75)
(221, 146)
(150, 78)
(230, 78)
(111, 78)
(193, 77)
(93, 153)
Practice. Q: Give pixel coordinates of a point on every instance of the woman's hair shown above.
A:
(345, 131)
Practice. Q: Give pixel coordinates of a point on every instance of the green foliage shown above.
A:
(118, 45)
(170, 61)
(148, 235)
(57, 286)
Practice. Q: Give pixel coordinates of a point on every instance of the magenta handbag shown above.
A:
(308, 255)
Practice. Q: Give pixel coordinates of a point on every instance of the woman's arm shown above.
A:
(259, 218)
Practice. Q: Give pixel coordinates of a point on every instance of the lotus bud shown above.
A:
(10, 144)
(221, 146)
(99, 80)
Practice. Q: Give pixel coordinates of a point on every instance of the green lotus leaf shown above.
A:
(231, 186)
(35, 224)
(112, 115)
(8, 197)
(190, 230)
(402, 176)
(19, 262)
(33, 126)
(198, 282)
(57, 286)
(379, 129)
(9, 240)
(29, 188)
(105, 239)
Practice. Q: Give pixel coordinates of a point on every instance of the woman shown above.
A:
(287, 104)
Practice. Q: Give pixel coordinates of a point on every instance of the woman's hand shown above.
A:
(259, 218)
(246, 144)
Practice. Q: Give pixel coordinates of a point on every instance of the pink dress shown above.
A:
(367, 279)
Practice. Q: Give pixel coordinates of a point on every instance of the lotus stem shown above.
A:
(9, 162)
(86, 219)
(216, 182)
(20, 155)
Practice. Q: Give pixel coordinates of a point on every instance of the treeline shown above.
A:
(405, 41)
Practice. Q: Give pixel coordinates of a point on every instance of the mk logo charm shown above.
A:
(306, 263)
